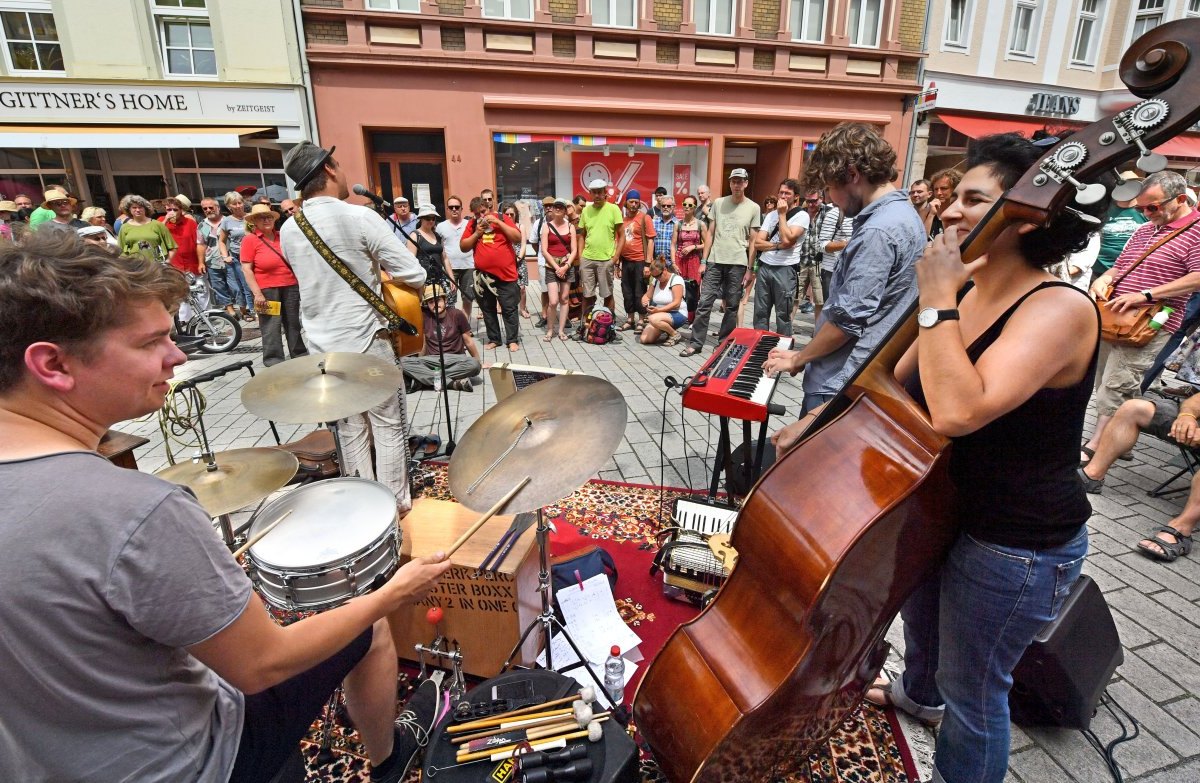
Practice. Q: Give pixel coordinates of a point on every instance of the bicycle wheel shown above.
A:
(221, 331)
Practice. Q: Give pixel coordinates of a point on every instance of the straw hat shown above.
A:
(183, 200)
(56, 195)
(8, 206)
(258, 210)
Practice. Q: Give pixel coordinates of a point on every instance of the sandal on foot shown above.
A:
(883, 686)
(691, 350)
(1089, 452)
(489, 347)
(625, 327)
(673, 339)
(563, 336)
(1165, 551)
(548, 338)
(514, 347)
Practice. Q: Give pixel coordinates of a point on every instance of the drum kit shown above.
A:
(321, 544)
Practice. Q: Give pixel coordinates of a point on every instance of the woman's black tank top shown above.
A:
(1016, 477)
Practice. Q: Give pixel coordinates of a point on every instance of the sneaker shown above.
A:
(412, 732)
(462, 385)
(1090, 485)
(540, 323)
(807, 307)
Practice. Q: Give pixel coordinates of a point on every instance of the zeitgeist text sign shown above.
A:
(25, 101)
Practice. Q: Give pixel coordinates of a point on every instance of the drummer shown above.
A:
(134, 647)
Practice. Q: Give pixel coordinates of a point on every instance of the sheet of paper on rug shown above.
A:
(593, 620)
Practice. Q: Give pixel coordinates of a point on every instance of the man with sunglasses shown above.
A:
(1160, 266)
(462, 262)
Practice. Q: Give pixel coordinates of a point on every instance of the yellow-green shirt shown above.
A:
(601, 226)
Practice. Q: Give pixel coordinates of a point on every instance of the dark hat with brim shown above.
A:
(305, 161)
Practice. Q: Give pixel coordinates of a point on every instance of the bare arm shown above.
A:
(788, 235)
(223, 244)
(253, 653)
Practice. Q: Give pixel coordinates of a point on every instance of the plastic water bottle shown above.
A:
(614, 676)
(1160, 318)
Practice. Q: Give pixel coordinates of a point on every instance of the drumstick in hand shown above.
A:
(491, 512)
(259, 535)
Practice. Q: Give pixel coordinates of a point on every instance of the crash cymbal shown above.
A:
(560, 432)
(241, 477)
(321, 387)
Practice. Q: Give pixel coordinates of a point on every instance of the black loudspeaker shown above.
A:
(1061, 677)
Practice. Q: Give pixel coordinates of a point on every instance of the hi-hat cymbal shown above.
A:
(241, 477)
(321, 387)
(564, 429)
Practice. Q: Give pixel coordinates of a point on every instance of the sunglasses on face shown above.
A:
(1150, 209)
(454, 206)
(812, 201)
(689, 206)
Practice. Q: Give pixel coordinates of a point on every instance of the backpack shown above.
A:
(598, 329)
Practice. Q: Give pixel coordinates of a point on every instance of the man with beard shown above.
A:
(874, 284)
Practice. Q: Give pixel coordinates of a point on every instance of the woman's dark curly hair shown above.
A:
(1008, 156)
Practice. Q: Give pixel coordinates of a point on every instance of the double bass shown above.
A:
(837, 534)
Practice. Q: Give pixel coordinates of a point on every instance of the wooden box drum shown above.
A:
(339, 537)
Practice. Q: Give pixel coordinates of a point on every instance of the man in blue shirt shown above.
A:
(875, 283)
(664, 228)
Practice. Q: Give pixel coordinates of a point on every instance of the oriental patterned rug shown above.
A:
(624, 518)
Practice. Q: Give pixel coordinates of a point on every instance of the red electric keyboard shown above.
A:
(731, 383)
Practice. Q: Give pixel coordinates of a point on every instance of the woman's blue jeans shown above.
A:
(965, 630)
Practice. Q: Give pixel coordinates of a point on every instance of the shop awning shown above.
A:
(124, 137)
(1183, 146)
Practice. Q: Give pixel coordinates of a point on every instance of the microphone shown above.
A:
(359, 190)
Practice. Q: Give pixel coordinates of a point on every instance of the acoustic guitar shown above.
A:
(405, 301)
(838, 533)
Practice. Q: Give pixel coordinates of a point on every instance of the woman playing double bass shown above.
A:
(1006, 376)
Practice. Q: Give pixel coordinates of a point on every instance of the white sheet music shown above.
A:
(567, 662)
(593, 620)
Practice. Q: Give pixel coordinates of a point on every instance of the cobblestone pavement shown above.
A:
(1156, 606)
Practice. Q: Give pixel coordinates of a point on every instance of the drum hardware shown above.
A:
(230, 480)
(325, 751)
(535, 428)
(439, 650)
(571, 753)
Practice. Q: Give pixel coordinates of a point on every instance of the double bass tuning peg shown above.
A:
(1085, 217)
(1149, 162)
(1087, 194)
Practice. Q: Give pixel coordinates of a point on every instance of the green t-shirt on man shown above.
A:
(601, 225)
(732, 226)
(1118, 227)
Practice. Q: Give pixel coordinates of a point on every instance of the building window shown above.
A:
(185, 36)
(1023, 39)
(408, 6)
(808, 20)
(1192, 9)
(864, 22)
(1087, 28)
(508, 9)
(1149, 15)
(614, 13)
(958, 25)
(31, 41)
(714, 17)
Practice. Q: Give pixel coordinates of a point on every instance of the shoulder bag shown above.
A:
(1132, 327)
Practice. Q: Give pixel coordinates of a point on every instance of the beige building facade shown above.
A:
(153, 97)
(1026, 65)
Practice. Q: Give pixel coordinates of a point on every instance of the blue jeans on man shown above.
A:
(965, 630)
(224, 286)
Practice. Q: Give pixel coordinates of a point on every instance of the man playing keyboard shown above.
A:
(874, 284)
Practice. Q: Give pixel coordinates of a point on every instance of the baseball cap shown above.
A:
(739, 173)
(597, 184)
(548, 201)
(633, 195)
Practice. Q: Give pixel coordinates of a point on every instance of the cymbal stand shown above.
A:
(547, 620)
(337, 446)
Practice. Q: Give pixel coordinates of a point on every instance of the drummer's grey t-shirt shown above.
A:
(107, 574)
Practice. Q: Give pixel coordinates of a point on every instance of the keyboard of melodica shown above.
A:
(750, 383)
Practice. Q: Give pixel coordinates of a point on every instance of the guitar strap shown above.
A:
(394, 321)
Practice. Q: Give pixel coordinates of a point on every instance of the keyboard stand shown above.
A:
(724, 461)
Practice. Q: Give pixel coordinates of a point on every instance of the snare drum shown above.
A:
(341, 536)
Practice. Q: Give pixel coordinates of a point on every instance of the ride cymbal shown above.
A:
(559, 432)
(321, 387)
(240, 477)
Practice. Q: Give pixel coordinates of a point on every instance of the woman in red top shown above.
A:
(184, 230)
(271, 280)
(559, 240)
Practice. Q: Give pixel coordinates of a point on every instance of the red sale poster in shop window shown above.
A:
(626, 173)
(682, 185)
